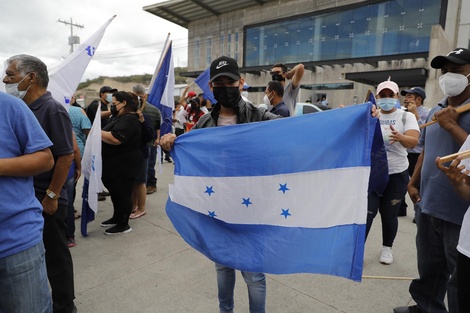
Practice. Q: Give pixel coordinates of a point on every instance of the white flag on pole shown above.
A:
(66, 75)
(92, 162)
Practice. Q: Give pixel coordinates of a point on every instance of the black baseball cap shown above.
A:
(224, 66)
(457, 56)
(107, 89)
(417, 90)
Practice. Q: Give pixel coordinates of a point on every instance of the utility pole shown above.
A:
(72, 39)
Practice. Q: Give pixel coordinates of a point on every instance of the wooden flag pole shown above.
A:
(387, 277)
(450, 157)
(460, 109)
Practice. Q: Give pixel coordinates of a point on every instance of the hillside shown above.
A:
(88, 90)
(137, 79)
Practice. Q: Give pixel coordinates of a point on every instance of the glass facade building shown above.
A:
(380, 29)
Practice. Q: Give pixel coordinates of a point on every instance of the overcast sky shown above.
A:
(132, 43)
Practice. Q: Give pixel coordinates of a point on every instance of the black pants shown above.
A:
(59, 261)
(120, 190)
(412, 159)
(463, 282)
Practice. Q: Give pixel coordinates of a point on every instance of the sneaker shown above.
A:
(151, 189)
(109, 223)
(407, 309)
(386, 256)
(116, 230)
(71, 242)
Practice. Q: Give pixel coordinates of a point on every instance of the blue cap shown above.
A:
(417, 90)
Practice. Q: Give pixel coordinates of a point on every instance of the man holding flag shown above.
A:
(231, 109)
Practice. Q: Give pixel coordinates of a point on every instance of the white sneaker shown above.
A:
(386, 257)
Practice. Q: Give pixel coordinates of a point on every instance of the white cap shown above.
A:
(388, 84)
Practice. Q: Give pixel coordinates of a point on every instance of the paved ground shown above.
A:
(153, 270)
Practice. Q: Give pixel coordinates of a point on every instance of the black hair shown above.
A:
(276, 87)
(130, 98)
(282, 66)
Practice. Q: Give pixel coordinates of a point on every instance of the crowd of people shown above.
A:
(41, 156)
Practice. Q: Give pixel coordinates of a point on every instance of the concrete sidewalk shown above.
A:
(153, 270)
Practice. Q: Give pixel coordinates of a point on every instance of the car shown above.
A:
(307, 108)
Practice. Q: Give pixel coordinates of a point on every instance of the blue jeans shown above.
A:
(436, 245)
(388, 205)
(23, 282)
(256, 283)
(151, 178)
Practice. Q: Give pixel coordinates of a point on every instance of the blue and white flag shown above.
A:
(162, 88)
(66, 75)
(203, 82)
(282, 196)
(91, 169)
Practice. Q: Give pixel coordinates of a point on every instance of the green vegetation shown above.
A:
(141, 79)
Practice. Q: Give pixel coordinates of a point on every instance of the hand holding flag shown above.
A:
(274, 217)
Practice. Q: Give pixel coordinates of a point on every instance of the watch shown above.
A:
(51, 194)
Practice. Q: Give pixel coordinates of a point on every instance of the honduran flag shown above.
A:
(281, 196)
(370, 97)
(162, 88)
(203, 82)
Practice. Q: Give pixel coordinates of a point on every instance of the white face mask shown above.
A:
(267, 101)
(453, 84)
(12, 89)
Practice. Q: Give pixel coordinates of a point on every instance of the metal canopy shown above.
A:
(183, 12)
(403, 77)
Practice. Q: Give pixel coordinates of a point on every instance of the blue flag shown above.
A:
(257, 208)
(162, 91)
(203, 82)
(88, 214)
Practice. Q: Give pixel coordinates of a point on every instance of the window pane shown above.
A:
(386, 28)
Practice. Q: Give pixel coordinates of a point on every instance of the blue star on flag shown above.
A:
(209, 190)
(212, 214)
(283, 188)
(246, 202)
(285, 213)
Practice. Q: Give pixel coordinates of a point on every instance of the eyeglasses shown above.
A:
(276, 73)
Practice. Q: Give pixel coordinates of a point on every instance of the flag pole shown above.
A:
(450, 157)
(461, 109)
(368, 95)
(159, 64)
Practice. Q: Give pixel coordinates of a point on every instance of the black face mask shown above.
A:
(277, 77)
(227, 96)
(114, 111)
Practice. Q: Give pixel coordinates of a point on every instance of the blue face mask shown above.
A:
(387, 104)
(109, 97)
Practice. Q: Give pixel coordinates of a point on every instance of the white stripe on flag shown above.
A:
(291, 200)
